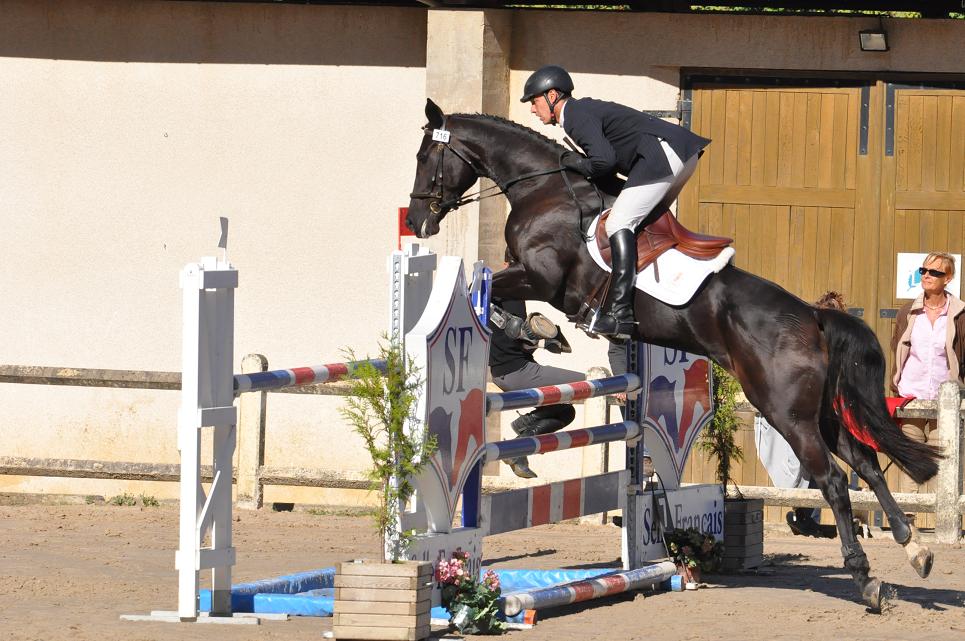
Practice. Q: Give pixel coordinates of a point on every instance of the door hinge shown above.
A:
(685, 107)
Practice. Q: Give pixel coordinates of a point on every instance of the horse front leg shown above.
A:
(514, 283)
(865, 463)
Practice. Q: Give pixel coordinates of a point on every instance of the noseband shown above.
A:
(443, 138)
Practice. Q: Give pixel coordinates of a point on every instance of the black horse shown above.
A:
(811, 372)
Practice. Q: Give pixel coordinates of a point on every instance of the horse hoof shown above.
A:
(872, 594)
(920, 557)
(542, 326)
(922, 562)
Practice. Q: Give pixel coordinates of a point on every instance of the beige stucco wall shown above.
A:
(129, 127)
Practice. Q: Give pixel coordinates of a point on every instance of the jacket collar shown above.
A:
(955, 305)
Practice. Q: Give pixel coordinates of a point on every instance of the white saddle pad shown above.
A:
(680, 275)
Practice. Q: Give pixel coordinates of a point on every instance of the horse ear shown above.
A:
(434, 114)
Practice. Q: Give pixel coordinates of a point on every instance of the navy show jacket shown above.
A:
(615, 137)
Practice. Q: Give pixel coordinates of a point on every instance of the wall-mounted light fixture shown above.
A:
(874, 39)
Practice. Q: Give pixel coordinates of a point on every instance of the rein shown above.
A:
(482, 193)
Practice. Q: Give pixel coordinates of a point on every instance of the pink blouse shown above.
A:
(927, 364)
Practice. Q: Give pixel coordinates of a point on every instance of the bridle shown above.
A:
(444, 139)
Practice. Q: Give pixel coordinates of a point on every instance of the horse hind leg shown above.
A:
(856, 562)
(865, 463)
(831, 480)
(796, 418)
(835, 489)
(919, 556)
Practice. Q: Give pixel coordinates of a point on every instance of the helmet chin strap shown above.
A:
(552, 104)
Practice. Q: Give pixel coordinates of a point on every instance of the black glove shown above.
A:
(577, 162)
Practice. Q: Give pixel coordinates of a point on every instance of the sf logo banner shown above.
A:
(677, 400)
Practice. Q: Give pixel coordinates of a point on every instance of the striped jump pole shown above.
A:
(556, 394)
(297, 376)
(623, 431)
(587, 589)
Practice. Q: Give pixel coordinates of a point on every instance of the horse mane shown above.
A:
(543, 141)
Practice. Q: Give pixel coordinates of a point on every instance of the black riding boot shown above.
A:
(618, 322)
(542, 420)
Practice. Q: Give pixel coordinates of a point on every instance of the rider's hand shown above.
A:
(576, 162)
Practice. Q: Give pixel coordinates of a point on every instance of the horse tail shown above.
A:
(853, 394)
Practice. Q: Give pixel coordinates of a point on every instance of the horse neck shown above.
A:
(503, 151)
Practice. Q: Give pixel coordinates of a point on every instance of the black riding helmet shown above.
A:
(544, 79)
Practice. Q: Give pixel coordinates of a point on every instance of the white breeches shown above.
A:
(636, 202)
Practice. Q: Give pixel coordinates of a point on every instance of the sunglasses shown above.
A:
(933, 272)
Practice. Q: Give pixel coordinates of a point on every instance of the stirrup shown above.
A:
(617, 330)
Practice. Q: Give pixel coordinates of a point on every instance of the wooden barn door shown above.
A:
(923, 198)
(790, 176)
(793, 177)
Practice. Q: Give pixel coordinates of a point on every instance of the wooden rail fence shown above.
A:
(947, 502)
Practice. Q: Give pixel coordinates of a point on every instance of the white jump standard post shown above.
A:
(207, 400)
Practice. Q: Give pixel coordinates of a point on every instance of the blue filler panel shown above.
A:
(243, 595)
(311, 594)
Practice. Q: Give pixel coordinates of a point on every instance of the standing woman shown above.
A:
(657, 158)
(929, 341)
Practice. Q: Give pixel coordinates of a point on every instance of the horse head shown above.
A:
(444, 171)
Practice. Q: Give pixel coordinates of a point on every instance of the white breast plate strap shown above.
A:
(440, 135)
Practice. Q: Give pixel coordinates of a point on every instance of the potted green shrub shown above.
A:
(743, 518)
(386, 598)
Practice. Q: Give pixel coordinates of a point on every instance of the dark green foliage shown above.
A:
(719, 437)
(380, 409)
(695, 549)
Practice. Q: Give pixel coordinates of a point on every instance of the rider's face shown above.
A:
(540, 108)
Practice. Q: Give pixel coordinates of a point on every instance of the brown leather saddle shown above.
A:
(661, 235)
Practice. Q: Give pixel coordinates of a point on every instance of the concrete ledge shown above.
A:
(77, 376)
(88, 469)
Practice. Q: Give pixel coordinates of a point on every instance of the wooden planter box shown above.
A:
(387, 601)
(743, 533)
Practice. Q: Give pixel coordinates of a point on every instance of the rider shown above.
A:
(657, 158)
